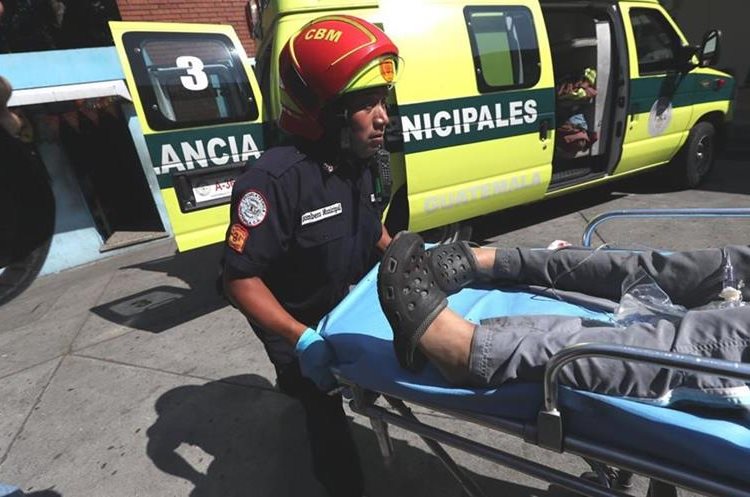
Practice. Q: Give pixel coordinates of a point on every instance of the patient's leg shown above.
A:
(485, 257)
(447, 344)
(519, 347)
(719, 334)
(690, 278)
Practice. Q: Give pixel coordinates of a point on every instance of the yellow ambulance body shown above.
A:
(498, 103)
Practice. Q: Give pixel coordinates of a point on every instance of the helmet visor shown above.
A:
(382, 71)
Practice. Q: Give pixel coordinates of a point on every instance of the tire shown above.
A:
(398, 219)
(449, 233)
(696, 158)
(19, 274)
(26, 229)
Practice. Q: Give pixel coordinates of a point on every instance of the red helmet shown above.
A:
(328, 57)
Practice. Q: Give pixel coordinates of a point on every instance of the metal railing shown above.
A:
(550, 423)
(658, 213)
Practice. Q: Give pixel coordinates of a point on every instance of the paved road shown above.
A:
(130, 377)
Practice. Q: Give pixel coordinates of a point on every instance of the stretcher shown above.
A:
(706, 451)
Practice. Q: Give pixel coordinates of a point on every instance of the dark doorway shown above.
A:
(96, 138)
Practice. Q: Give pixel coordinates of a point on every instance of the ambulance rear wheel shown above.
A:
(696, 158)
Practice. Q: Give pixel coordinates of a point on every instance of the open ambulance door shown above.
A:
(200, 109)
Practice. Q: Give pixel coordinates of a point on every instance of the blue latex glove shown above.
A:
(315, 358)
(9, 491)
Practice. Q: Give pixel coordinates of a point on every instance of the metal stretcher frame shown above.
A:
(548, 431)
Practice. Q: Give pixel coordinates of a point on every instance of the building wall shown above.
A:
(695, 17)
(202, 11)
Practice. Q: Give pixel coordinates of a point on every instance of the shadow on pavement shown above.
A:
(416, 472)
(231, 440)
(524, 216)
(729, 175)
(165, 306)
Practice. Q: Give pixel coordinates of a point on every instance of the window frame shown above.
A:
(482, 85)
(663, 21)
(157, 120)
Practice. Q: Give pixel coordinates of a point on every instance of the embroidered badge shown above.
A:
(252, 209)
(237, 237)
(322, 213)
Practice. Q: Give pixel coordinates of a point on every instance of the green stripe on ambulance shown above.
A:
(447, 123)
(681, 90)
(183, 151)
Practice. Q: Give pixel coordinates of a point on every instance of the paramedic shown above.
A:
(518, 347)
(306, 220)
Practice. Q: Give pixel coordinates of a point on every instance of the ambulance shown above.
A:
(499, 103)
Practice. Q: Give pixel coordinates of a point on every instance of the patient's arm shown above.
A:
(690, 278)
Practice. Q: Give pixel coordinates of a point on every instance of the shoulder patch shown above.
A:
(252, 208)
(237, 237)
(278, 160)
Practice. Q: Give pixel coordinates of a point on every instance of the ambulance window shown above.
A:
(504, 45)
(189, 79)
(655, 40)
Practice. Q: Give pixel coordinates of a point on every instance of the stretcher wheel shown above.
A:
(607, 477)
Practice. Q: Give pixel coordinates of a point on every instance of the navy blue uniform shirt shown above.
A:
(306, 230)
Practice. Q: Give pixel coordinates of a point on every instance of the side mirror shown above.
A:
(686, 57)
(710, 50)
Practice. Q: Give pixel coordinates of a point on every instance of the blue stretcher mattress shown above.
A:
(717, 441)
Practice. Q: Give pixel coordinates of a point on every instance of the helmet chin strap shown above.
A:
(345, 131)
(345, 140)
(338, 135)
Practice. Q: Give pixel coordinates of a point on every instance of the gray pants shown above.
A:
(518, 348)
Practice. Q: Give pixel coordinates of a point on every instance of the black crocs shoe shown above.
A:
(409, 296)
(453, 266)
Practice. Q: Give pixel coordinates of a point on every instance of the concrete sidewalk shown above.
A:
(132, 377)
